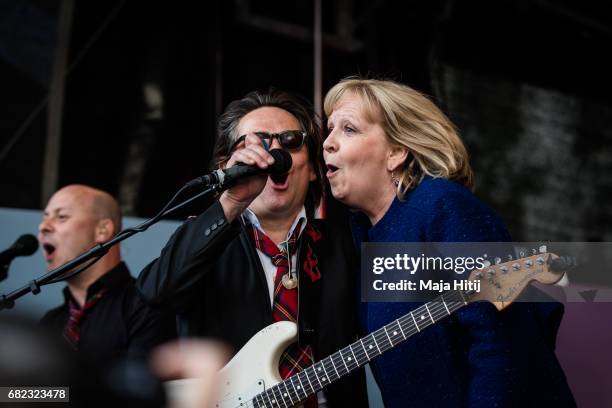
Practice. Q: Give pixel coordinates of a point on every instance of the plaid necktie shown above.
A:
(285, 307)
(76, 314)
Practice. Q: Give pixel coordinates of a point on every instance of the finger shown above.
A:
(259, 145)
(253, 140)
(197, 360)
(188, 358)
(256, 152)
(250, 157)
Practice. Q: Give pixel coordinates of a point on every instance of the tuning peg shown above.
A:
(522, 254)
(486, 264)
(497, 260)
(510, 257)
(542, 249)
(516, 266)
(534, 251)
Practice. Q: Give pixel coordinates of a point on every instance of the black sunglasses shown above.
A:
(289, 139)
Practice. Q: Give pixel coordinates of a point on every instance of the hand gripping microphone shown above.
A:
(226, 178)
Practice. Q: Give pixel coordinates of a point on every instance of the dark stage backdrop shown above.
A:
(542, 158)
(527, 83)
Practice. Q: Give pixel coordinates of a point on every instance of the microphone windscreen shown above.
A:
(282, 161)
(26, 244)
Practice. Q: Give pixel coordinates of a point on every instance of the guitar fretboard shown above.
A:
(314, 378)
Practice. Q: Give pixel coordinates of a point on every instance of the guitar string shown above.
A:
(440, 304)
(437, 306)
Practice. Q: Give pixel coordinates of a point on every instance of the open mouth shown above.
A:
(49, 249)
(279, 178)
(331, 169)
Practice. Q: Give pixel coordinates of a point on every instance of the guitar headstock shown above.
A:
(502, 282)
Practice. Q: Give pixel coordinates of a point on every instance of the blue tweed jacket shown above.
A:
(478, 357)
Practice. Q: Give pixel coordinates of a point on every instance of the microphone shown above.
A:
(228, 177)
(25, 245)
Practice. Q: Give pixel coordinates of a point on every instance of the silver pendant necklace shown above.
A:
(289, 280)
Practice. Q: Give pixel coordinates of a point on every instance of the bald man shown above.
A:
(102, 315)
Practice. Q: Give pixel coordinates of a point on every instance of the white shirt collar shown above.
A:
(252, 218)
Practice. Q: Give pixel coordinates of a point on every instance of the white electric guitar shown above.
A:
(251, 378)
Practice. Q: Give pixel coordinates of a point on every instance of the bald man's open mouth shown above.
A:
(48, 250)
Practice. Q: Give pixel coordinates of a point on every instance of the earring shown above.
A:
(394, 179)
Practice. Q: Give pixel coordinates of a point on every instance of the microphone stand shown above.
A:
(8, 301)
(4, 267)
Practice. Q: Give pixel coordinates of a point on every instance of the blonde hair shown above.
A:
(411, 120)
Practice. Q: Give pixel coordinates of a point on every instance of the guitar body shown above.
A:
(252, 370)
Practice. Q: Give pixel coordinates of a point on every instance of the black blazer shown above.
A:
(209, 273)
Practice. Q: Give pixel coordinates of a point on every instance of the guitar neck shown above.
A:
(317, 376)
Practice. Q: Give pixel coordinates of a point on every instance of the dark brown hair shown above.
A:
(300, 108)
